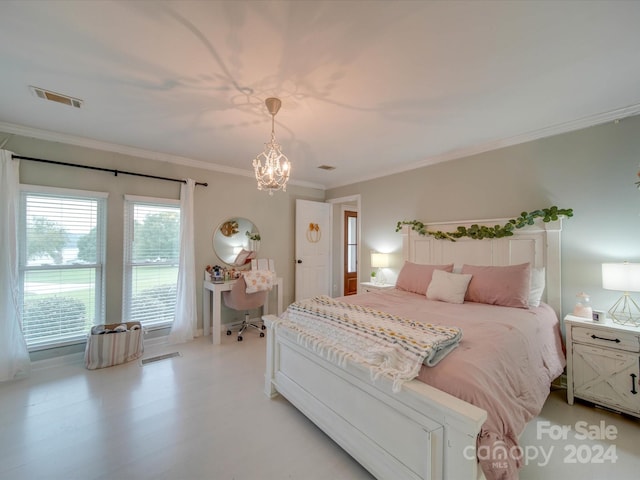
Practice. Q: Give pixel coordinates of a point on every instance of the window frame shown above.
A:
(130, 201)
(98, 313)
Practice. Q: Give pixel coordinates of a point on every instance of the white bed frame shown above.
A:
(420, 432)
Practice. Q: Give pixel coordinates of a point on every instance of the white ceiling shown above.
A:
(370, 87)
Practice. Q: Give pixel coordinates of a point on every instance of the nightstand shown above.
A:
(372, 287)
(603, 363)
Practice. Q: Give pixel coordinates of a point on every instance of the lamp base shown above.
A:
(379, 278)
(625, 311)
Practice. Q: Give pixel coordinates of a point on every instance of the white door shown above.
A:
(313, 249)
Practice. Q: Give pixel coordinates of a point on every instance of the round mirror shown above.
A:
(236, 241)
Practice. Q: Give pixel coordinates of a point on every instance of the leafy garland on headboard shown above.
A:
(478, 232)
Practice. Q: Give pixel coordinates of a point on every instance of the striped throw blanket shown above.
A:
(388, 344)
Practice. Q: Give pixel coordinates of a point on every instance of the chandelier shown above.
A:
(274, 174)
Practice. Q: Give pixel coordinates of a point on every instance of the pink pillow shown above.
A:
(416, 278)
(507, 286)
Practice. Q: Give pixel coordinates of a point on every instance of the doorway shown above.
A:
(351, 203)
(350, 252)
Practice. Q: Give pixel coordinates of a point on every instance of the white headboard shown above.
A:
(538, 244)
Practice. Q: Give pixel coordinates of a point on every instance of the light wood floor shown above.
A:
(204, 416)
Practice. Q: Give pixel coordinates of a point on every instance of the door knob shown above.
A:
(299, 261)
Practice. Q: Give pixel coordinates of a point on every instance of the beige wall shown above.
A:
(227, 195)
(592, 171)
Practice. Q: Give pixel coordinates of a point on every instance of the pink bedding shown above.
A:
(505, 364)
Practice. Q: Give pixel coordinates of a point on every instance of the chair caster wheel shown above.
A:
(262, 334)
(239, 338)
(228, 332)
(263, 327)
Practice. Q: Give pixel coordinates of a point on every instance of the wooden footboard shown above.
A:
(418, 433)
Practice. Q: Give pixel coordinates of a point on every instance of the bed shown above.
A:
(431, 428)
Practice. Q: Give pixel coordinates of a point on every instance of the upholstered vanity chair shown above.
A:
(250, 291)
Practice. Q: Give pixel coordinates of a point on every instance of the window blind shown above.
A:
(152, 249)
(61, 256)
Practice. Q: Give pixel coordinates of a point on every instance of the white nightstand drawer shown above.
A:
(607, 338)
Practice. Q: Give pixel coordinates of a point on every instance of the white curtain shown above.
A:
(184, 325)
(14, 356)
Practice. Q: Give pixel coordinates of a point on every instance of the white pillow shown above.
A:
(537, 286)
(448, 287)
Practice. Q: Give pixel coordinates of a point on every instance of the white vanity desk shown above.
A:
(212, 306)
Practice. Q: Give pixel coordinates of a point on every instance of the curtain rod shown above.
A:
(110, 170)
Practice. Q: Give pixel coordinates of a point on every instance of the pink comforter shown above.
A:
(505, 364)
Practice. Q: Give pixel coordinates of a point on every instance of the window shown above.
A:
(61, 256)
(152, 248)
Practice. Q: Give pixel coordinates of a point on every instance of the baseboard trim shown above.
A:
(150, 345)
(60, 361)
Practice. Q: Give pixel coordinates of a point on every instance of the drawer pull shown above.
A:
(633, 384)
(617, 340)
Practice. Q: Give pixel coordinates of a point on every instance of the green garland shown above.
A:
(478, 232)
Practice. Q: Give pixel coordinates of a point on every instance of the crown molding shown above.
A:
(573, 125)
(566, 127)
(58, 137)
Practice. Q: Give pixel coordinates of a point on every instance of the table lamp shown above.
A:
(623, 277)
(379, 261)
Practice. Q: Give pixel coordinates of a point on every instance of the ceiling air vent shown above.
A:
(56, 97)
(326, 167)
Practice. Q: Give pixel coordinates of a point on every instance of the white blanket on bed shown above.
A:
(387, 344)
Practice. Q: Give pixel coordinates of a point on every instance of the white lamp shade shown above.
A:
(623, 277)
(379, 260)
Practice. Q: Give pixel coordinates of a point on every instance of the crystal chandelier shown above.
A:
(274, 174)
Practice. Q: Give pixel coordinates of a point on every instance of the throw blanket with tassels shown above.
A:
(387, 344)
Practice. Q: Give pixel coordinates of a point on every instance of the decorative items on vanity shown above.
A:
(603, 363)
(218, 274)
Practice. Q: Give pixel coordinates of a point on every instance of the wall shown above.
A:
(591, 170)
(226, 196)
